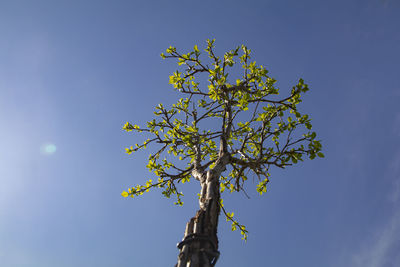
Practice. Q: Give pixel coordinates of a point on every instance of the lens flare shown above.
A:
(48, 149)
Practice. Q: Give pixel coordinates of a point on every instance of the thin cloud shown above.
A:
(380, 250)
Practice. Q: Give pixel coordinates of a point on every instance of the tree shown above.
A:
(219, 135)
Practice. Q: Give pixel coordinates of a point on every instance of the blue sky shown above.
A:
(73, 72)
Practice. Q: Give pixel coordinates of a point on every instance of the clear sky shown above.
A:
(73, 72)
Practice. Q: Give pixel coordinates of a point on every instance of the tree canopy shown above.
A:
(230, 115)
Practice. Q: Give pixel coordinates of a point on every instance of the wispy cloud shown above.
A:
(382, 248)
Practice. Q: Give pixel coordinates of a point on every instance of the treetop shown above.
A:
(237, 116)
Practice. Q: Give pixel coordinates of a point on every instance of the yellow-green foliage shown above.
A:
(258, 128)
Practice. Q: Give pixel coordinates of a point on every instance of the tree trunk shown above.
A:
(199, 247)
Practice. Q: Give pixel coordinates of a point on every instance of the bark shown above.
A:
(199, 246)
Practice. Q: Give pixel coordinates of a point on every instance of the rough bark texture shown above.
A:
(200, 244)
(199, 247)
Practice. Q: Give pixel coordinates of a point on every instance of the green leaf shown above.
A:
(191, 129)
(128, 127)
